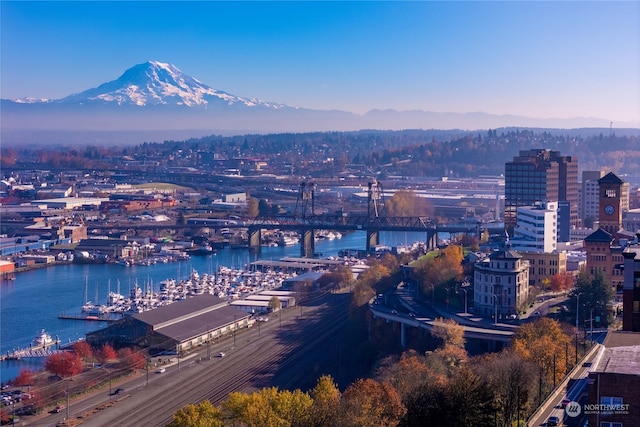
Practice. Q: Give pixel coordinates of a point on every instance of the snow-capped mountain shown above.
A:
(159, 83)
(156, 97)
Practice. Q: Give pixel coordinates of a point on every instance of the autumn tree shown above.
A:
(406, 374)
(274, 304)
(544, 343)
(442, 270)
(268, 407)
(368, 402)
(449, 332)
(365, 287)
(130, 359)
(462, 399)
(561, 282)
(340, 277)
(83, 349)
(326, 403)
(201, 415)
(389, 261)
(512, 381)
(106, 353)
(408, 203)
(24, 378)
(63, 363)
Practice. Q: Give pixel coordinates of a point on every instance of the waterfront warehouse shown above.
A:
(176, 327)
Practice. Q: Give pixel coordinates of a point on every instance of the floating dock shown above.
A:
(99, 318)
(43, 350)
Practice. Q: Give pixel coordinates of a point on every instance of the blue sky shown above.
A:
(537, 59)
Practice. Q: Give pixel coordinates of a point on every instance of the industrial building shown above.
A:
(177, 327)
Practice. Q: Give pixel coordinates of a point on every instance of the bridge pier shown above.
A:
(373, 239)
(255, 236)
(403, 335)
(308, 244)
(432, 240)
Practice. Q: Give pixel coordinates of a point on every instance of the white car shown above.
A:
(161, 371)
(221, 354)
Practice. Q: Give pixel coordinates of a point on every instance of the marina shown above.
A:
(39, 297)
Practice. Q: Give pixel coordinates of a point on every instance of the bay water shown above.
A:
(35, 299)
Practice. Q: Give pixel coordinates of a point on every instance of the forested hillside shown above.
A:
(409, 153)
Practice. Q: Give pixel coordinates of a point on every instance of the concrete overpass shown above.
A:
(428, 323)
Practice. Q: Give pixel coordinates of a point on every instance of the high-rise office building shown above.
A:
(540, 175)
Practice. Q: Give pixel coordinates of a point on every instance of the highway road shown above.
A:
(288, 352)
(574, 389)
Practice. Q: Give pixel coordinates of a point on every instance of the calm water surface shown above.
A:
(36, 298)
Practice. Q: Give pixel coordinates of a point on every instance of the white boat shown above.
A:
(42, 339)
(288, 240)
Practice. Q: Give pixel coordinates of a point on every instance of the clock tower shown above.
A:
(610, 214)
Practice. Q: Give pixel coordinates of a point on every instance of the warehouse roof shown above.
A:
(194, 326)
(180, 310)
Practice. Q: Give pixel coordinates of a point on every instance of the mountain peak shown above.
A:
(159, 83)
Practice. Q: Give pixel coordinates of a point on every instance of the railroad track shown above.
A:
(280, 354)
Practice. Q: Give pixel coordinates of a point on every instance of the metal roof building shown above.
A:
(179, 327)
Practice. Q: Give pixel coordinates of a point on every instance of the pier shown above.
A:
(99, 318)
(42, 350)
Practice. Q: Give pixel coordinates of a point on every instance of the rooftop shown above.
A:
(620, 360)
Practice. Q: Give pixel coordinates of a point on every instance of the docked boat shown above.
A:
(204, 249)
(43, 339)
(288, 239)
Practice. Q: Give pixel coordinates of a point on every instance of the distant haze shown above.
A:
(156, 100)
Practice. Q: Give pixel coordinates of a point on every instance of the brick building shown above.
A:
(614, 384)
(605, 245)
(631, 290)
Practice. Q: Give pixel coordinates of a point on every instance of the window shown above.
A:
(610, 400)
(609, 424)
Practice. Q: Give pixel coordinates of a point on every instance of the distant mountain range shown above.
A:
(156, 100)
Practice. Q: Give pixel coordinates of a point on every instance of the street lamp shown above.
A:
(68, 381)
(433, 293)
(577, 309)
(577, 323)
(465, 299)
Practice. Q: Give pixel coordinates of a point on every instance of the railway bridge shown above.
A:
(305, 221)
